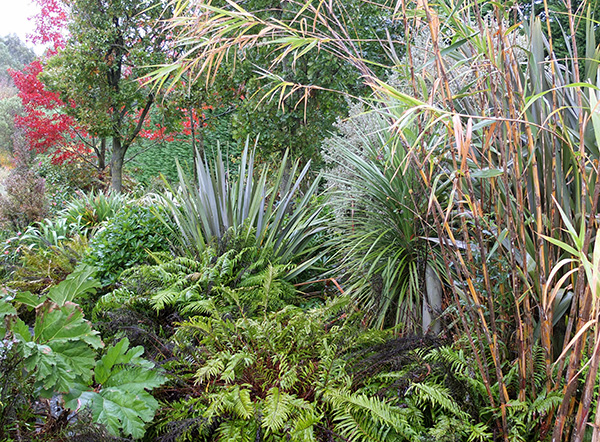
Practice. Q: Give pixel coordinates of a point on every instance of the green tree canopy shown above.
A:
(302, 117)
(109, 45)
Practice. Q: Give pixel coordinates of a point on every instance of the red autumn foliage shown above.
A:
(50, 24)
(199, 119)
(46, 128)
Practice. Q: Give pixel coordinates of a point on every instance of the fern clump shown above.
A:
(318, 375)
(243, 280)
(293, 375)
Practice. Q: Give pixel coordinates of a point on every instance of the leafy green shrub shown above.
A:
(69, 176)
(125, 241)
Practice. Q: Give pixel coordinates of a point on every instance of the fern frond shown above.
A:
(363, 418)
(303, 429)
(194, 327)
(355, 428)
(243, 405)
(438, 396)
(209, 370)
(447, 425)
(543, 404)
(288, 374)
(243, 358)
(480, 433)
(165, 298)
(277, 409)
(202, 306)
(118, 298)
(237, 430)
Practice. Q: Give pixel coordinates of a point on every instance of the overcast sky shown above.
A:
(13, 19)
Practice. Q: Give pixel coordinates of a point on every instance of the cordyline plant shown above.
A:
(489, 112)
(393, 269)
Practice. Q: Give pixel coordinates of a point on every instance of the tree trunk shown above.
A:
(120, 144)
(102, 155)
(116, 165)
(432, 301)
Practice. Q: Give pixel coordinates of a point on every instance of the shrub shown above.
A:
(22, 191)
(125, 241)
(71, 175)
(63, 181)
(9, 252)
(23, 202)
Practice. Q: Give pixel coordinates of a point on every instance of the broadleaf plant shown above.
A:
(60, 350)
(120, 400)
(59, 357)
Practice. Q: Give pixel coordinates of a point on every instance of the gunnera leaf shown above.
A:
(123, 403)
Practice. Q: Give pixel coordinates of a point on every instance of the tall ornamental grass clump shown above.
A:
(487, 112)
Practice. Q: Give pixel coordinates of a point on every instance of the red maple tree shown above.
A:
(50, 24)
(46, 128)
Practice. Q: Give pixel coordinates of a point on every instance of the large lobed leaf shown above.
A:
(60, 350)
(59, 325)
(78, 284)
(121, 402)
